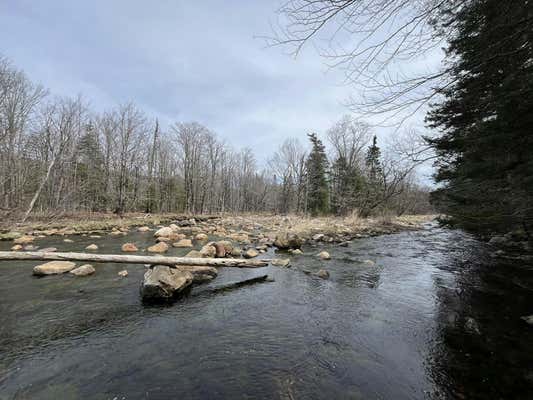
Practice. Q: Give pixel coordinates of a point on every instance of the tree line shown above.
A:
(58, 156)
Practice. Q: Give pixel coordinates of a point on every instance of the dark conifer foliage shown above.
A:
(485, 164)
(317, 183)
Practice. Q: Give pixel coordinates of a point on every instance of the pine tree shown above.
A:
(317, 183)
(374, 179)
(485, 165)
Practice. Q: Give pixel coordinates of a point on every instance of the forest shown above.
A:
(59, 156)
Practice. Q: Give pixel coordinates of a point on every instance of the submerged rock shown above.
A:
(324, 274)
(122, 273)
(84, 270)
(194, 254)
(68, 240)
(281, 262)
(288, 240)
(160, 247)
(324, 255)
(163, 283)
(49, 249)
(201, 237)
(143, 229)
(296, 252)
(53, 267)
(92, 247)
(183, 243)
(10, 235)
(129, 247)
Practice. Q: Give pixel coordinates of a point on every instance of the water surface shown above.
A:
(395, 328)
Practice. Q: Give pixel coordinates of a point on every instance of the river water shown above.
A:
(433, 317)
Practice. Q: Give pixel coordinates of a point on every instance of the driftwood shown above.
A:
(131, 259)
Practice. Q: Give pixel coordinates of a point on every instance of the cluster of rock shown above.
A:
(61, 267)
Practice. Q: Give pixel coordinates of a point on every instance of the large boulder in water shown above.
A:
(287, 240)
(84, 270)
(165, 231)
(160, 247)
(164, 283)
(53, 267)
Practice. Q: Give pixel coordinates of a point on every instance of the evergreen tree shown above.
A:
(485, 165)
(317, 184)
(374, 179)
(347, 185)
(90, 171)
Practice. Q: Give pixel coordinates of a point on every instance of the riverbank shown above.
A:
(331, 228)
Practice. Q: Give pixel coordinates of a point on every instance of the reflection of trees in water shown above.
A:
(483, 349)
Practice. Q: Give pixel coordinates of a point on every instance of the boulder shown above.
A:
(250, 253)
(220, 250)
(228, 246)
(164, 283)
(129, 247)
(165, 231)
(92, 247)
(528, 319)
(324, 274)
(324, 255)
(287, 241)
(296, 252)
(183, 243)
(281, 262)
(174, 227)
(84, 270)
(68, 240)
(236, 252)
(53, 267)
(24, 240)
(123, 273)
(160, 247)
(318, 237)
(201, 237)
(30, 247)
(143, 229)
(208, 251)
(16, 247)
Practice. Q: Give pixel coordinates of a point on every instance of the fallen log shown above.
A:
(131, 259)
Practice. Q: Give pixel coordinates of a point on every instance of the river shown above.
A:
(432, 317)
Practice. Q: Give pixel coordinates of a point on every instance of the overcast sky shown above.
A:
(178, 61)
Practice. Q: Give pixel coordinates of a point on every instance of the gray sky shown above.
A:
(178, 61)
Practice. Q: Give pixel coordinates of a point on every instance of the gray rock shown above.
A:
(84, 270)
(281, 262)
(324, 255)
(287, 241)
(53, 267)
(250, 253)
(528, 319)
(164, 283)
(324, 274)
